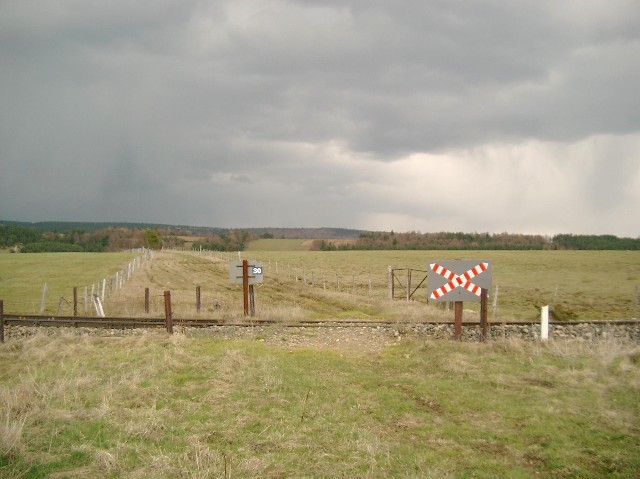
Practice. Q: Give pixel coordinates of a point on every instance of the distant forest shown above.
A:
(23, 239)
(479, 241)
(100, 237)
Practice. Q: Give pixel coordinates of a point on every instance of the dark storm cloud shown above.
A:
(306, 113)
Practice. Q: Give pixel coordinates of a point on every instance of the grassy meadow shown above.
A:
(339, 284)
(192, 405)
(23, 276)
(153, 405)
(279, 245)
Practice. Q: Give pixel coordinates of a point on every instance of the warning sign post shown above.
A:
(458, 281)
(241, 272)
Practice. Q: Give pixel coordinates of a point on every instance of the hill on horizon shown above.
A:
(274, 232)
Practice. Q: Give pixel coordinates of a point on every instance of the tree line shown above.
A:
(23, 239)
(381, 240)
(19, 238)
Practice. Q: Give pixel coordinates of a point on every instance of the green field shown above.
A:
(23, 276)
(151, 405)
(340, 284)
(279, 245)
(577, 284)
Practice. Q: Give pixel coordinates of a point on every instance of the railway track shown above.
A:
(133, 323)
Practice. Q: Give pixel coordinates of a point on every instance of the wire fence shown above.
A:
(88, 299)
(377, 284)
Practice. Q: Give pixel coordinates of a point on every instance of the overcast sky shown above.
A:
(487, 116)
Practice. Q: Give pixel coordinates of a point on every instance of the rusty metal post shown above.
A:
(483, 314)
(457, 328)
(1, 321)
(245, 285)
(75, 301)
(146, 300)
(168, 319)
(198, 299)
(252, 301)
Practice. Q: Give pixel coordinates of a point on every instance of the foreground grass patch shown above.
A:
(150, 405)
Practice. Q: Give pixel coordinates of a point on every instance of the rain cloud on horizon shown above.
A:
(516, 116)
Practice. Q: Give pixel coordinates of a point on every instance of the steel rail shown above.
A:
(140, 322)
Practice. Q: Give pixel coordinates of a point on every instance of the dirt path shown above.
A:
(364, 339)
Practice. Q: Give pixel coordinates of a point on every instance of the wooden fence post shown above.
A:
(245, 285)
(146, 300)
(1, 321)
(483, 314)
(75, 301)
(168, 319)
(252, 301)
(390, 281)
(198, 299)
(457, 328)
(408, 284)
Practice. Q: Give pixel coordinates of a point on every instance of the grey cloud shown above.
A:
(159, 100)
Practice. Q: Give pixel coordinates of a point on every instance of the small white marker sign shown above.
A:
(255, 272)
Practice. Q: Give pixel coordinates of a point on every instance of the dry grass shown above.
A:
(11, 424)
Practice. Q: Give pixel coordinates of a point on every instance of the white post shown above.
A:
(98, 306)
(44, 295)
(104, 285)
(495, 302)
(544, 323)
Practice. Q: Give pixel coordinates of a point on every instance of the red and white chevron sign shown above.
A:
(451, 280)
